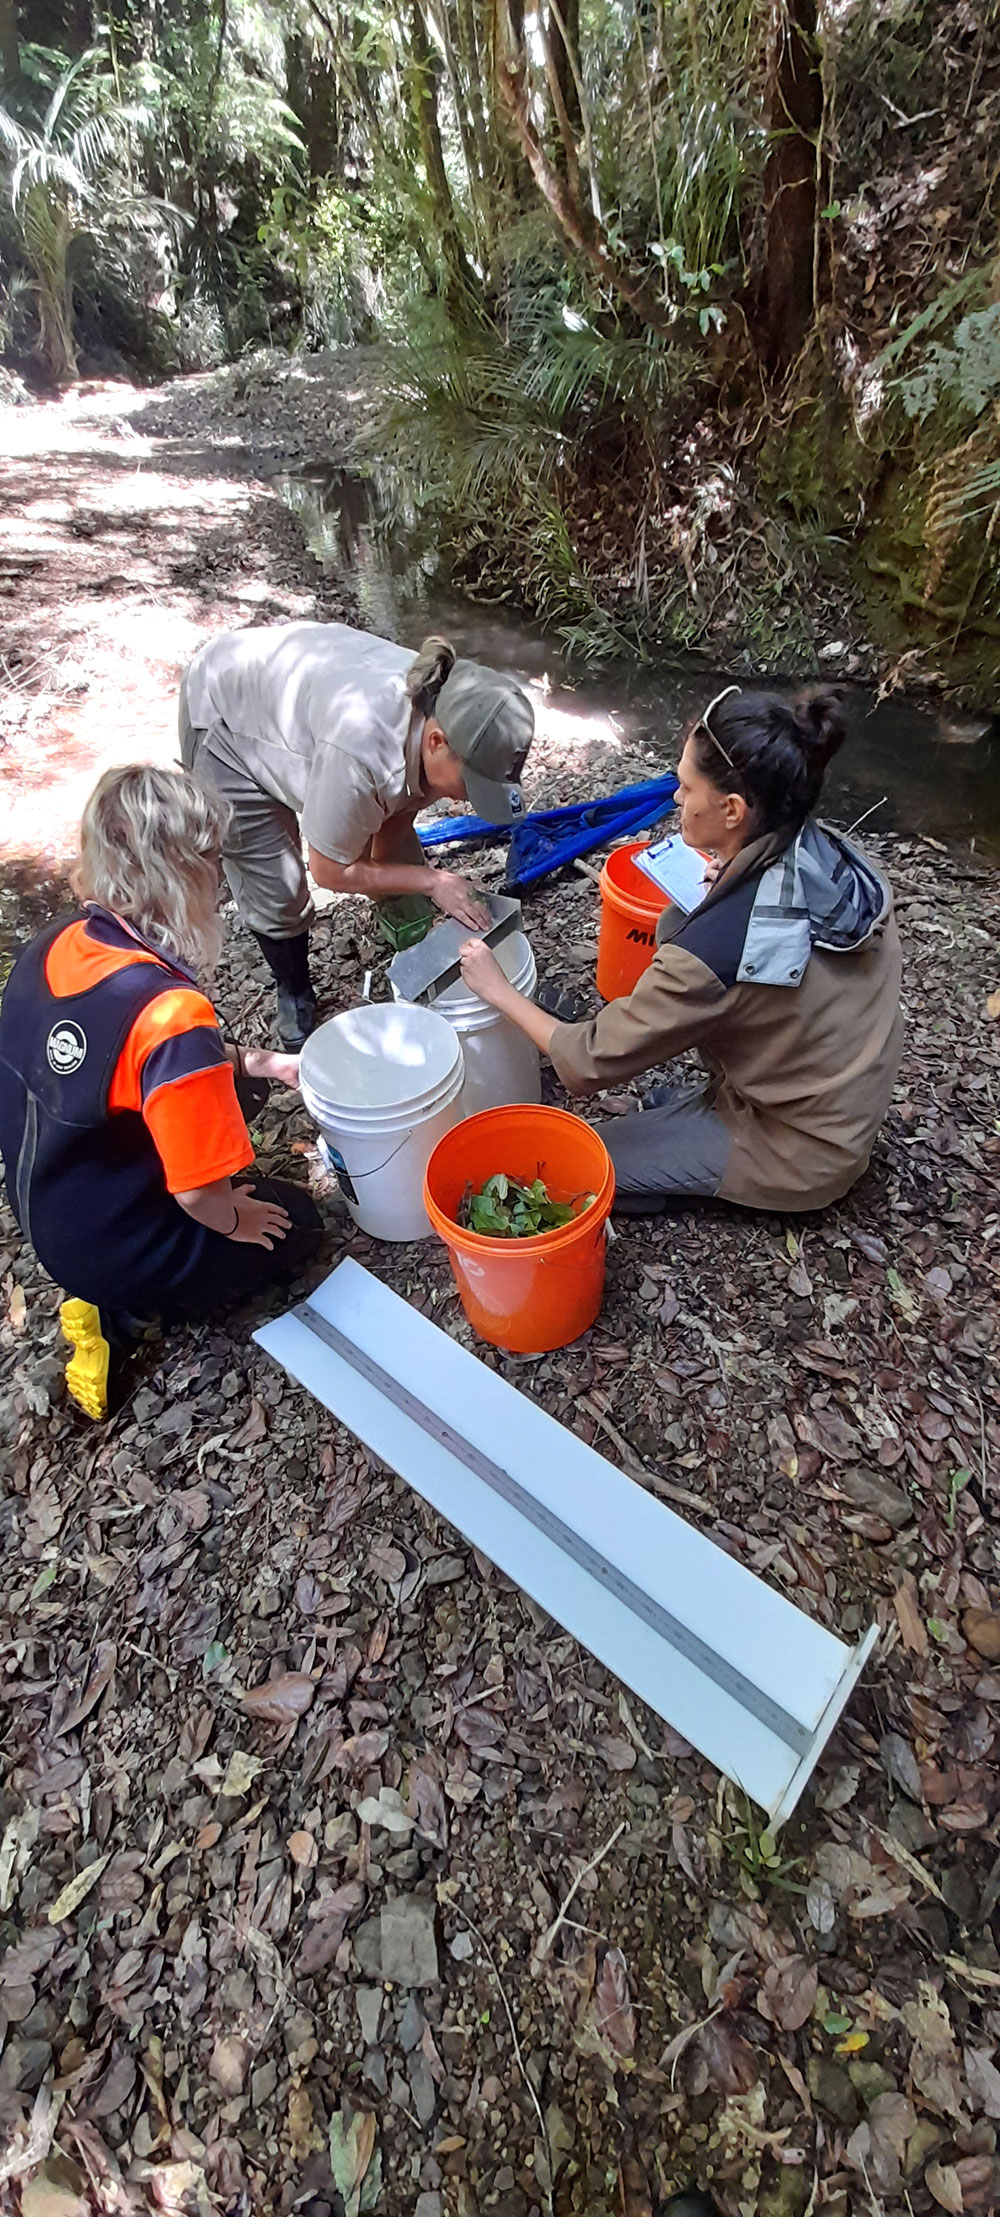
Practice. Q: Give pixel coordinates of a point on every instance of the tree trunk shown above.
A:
(565, 97)
(463, 284)
(469, 45)
(321, 118)
(786, 297)
(10, 48)
(449, 32)
(47, 231)
(576, 221)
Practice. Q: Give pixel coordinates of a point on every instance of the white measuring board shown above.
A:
(743, 1674)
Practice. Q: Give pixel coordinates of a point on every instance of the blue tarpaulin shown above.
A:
(548, 838)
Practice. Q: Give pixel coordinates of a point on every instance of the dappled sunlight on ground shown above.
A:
(118, 556)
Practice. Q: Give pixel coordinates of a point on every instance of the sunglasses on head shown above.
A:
(702, 723)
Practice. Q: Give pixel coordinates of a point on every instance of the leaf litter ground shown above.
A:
(333, 1875)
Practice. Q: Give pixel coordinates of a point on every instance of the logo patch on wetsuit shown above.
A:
(66, 1048)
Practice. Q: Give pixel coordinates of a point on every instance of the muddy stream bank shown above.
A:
(907, 767)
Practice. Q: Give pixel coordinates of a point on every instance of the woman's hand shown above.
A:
(264, 1062)
(235, 1213)
(456, 897)
(483, 974)
(258, 1223)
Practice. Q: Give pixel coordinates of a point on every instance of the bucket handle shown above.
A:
(334, 1161)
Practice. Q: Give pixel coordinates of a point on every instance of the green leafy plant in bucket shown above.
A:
(503, 1209)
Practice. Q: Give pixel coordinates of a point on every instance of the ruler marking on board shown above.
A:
(680, 1637)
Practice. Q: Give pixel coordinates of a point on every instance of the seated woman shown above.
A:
(322, 733)
(128, 1162)
(785, 979)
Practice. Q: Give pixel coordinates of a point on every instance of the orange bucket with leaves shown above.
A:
(525, 1295)
(631, 906)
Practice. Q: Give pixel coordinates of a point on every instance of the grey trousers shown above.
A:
(676, 1150)
(262, 853)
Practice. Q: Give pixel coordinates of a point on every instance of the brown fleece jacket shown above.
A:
(802, 1071)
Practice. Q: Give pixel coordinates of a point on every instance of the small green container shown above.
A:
(405, 921)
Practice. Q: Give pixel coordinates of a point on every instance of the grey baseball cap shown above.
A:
(489, 723)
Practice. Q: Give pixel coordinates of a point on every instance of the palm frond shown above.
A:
(13, 137)
(66, 87)
(92, 143)
(40, 168)
(975, 497)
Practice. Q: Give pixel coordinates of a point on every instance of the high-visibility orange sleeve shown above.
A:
(172, 1070)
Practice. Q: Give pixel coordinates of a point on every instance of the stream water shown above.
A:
(904, 768)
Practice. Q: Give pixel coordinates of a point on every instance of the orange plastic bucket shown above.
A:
(630, 907)
(527, 1295)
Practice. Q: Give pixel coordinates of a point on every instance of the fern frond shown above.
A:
(965, 486)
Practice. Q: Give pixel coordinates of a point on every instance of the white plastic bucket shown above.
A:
(502, 1067)
(384, 1083)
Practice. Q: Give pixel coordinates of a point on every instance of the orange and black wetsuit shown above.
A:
(116, 1094)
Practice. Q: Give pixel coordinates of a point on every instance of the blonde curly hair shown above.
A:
(150, 842)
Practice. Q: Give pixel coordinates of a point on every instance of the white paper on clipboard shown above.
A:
(678, 870)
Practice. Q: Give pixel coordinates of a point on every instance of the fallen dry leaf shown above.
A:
(228, 2064)
(788, 1993)
(304, 2136)
(720, 2058)
(385, 1808)
(241, 1770)
(911, 1624)
(253, 1430)
(280, 1700)
(613, 2014)
(426, 1803)
(878, 2146)
(618, 1754)
(944, 2183)
(98, 1682)
(982, 1630)
(352, 2147)
(935, 2064)
(386, 1562)
(983, 2081)
(329, 1917)
(361, 1752)
(76, 1891)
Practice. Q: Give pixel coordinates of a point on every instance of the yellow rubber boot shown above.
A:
(88, 1365)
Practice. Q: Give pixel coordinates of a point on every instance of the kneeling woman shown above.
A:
(785, 980)
(128, 1161)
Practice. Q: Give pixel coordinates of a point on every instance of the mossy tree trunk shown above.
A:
(786, 303)
(463, 285)
(10, 45)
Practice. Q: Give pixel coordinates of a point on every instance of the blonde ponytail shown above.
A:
(428, 671)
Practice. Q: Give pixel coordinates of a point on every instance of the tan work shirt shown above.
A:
(319, 717)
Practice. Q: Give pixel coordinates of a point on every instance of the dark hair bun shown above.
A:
(820, 723)
(771, 750)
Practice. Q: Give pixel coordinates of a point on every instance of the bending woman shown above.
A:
(321, 733)
(128, 1162)
(785, 980)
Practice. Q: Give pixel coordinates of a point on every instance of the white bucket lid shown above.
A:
(378, 1058)
(518, 965)
(367, 1123)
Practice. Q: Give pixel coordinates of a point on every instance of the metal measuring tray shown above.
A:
(424, 972)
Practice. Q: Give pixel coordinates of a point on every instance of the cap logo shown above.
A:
(65, 1048)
